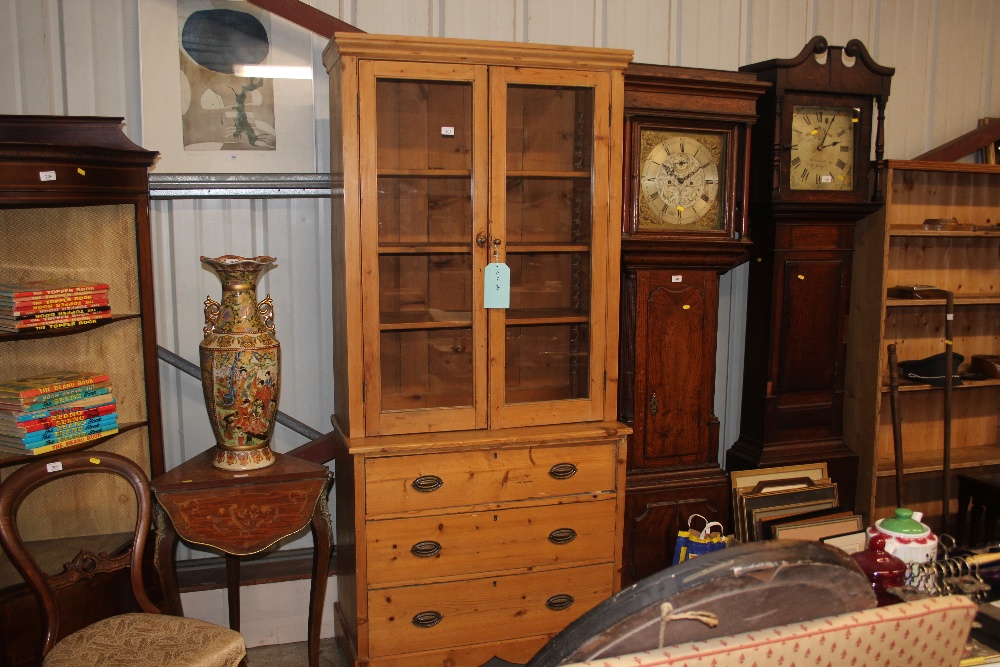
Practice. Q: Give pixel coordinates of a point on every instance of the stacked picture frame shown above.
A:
(793, 502)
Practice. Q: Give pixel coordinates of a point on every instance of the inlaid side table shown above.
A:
(242, 514)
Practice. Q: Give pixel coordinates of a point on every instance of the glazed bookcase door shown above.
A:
(549, 135)
(423, 179)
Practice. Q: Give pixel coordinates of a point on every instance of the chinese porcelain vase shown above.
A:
(240, 365)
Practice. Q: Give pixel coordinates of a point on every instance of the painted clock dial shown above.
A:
(822, 148)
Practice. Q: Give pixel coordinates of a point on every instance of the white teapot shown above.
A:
(906, 538)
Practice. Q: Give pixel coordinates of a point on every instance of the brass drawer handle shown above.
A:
(562, 470)
(427, 483)
(559, 602)
(426, 619)
(562, 536)
(425, 549)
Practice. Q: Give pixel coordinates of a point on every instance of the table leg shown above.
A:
(322, 534)
(166, 567)
(233, 588)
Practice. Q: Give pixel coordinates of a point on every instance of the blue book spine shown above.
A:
(50, 436)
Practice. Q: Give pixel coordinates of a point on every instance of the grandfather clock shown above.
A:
(812, 179)
(687, 146)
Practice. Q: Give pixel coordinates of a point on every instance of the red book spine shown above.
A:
(55, 288)
(58, 304)
(67, 418)
(57, 314)
(59, 323)
(68, 384)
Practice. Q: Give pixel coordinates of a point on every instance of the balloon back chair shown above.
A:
(131, 639)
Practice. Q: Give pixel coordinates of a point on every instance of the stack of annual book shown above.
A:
(43, 305)
(48, 412)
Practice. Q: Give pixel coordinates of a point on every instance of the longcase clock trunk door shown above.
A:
(547, 358)
(676, 308)
(424, 180)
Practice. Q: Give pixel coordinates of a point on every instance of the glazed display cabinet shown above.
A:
(476, 261)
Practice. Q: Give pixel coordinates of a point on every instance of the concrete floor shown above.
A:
(297, 655)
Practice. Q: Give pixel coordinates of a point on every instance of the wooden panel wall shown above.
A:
(82, 57)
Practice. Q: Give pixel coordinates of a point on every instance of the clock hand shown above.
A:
(826, 133)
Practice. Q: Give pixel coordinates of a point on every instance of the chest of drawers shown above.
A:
(457, 547)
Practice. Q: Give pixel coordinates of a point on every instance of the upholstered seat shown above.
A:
(156, 640)
(125, 640)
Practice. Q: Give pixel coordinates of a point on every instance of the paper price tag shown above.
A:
(55, 466)
(497, 293)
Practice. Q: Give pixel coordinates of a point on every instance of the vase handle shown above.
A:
(266, 310)
(212, 308)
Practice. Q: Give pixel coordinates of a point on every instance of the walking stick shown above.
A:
(897, 427)
(949, 315)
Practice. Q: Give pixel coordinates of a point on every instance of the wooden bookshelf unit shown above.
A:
(74, 203)
(895, 247)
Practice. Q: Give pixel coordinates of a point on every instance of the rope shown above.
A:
(667, 614)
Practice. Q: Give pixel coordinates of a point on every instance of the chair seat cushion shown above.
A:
(157, 640)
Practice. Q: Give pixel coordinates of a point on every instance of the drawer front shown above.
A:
(453, 479)
(433, 616)
(429, 547)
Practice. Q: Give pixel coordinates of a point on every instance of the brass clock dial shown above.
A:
(681, 182)
(822, 148)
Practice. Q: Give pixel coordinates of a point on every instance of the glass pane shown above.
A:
(424, 161)
(424, 166)
(424, 124)
(426, 369)
(548, 210)
(425, 289)
(550, 128)
(547, 363)
(557, 283)
(550, 138)
(424, 210)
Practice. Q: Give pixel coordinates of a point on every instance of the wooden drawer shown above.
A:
(432, 616)
(430, 547)
(396, 484)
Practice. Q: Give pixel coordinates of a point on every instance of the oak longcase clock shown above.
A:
(687, 140)
(813, 178)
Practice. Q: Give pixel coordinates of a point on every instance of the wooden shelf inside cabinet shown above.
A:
(66, 331)
(992, 231)
(957, 300)
(969, 456)
(968, 385)
(9, 458)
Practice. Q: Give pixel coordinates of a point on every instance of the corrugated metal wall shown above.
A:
(82, 57)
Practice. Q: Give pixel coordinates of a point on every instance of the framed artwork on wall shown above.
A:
(226, 88)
